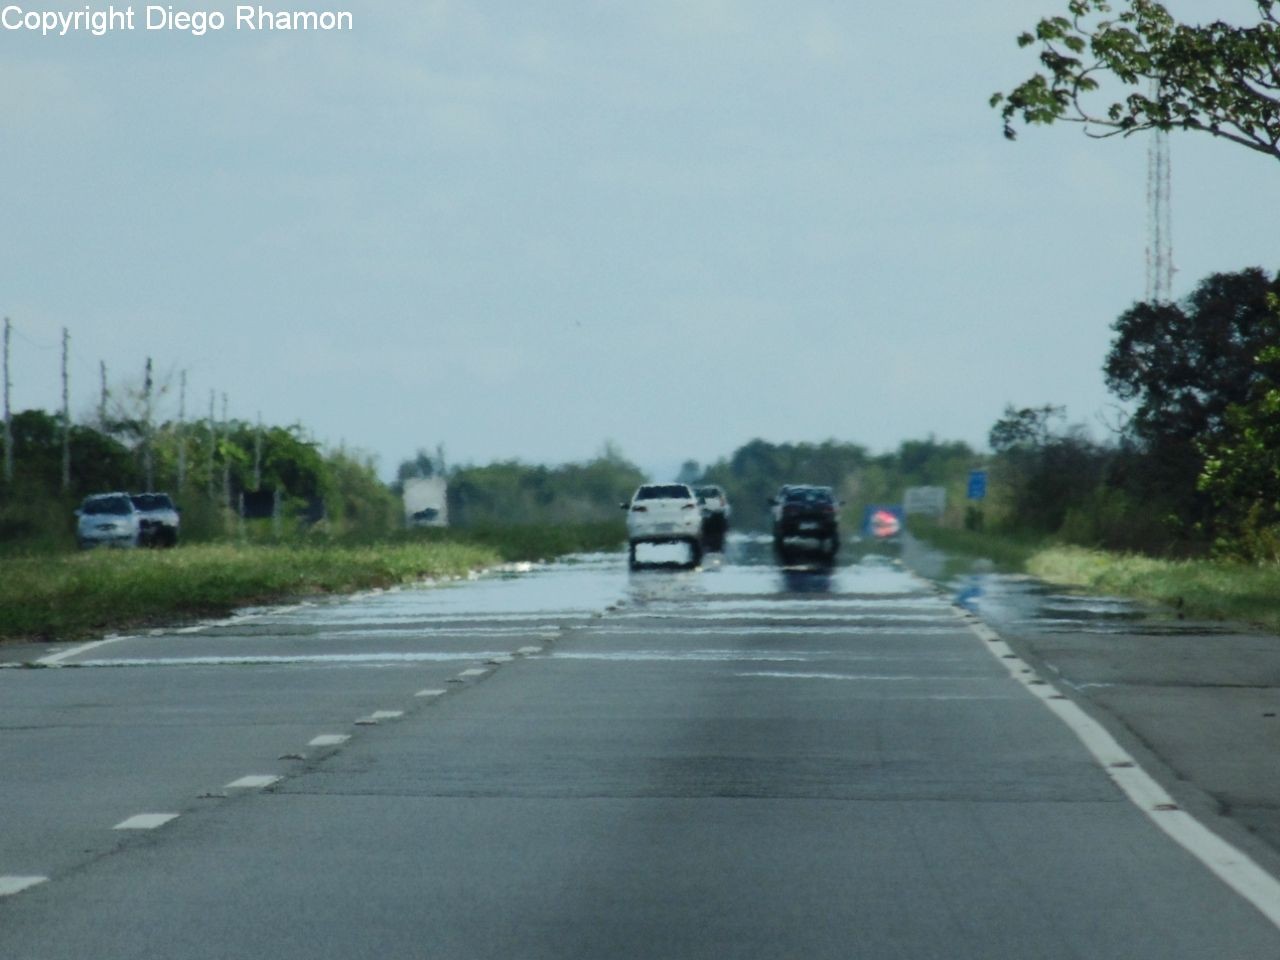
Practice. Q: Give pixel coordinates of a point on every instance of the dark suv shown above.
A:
(806, 517)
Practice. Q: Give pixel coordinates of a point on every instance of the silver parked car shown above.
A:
(159, 519)
(108, 518)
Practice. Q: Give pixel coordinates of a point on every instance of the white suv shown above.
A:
(109, 518)
(664, 513)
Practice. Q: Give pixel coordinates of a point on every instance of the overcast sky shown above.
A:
(522, 229)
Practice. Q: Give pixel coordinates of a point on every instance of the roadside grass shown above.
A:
(1198, 589)
(70, 595)
(1008, 552)
(77, 595)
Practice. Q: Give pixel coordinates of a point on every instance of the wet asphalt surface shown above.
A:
(575, 760)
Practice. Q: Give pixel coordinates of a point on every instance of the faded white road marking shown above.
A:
(529, 651)
(252, 782)
(329, 740)
(322, 658)
(54, 659)
(473, 672)
(377, 717)
(145, 821)
(430, 693)
(11, 885)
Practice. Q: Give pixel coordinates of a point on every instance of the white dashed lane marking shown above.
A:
(145, 821)
(329, 740)
(11, 885)
(253, 782)
(473, 672)
(430, 693)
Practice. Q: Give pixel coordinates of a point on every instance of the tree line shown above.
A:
(1196, 467)
(206, 466)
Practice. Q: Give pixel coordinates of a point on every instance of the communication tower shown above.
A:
(1159, 222)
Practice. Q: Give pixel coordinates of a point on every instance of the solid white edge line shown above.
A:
(11, 885)
(145, 821)
(1228, 863)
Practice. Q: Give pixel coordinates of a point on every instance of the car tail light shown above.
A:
(689, 506)
(639, 509)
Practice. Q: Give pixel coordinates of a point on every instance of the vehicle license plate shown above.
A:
(666, 527)
(808, 525)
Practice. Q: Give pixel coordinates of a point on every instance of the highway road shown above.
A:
(581, 762)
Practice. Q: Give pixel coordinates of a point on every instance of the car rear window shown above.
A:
(152, 501)
(664, 491)
(809, 495)
(114, 505)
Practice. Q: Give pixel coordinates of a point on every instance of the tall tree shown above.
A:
(1241, 470)
(1184, 366)
(1121, 68)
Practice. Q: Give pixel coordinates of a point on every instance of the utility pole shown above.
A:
(182, 431)
(226, 462)
(213, 443)
(8, 418)
(257, 455)
(102, 396)
(66, 415)
(148, 460)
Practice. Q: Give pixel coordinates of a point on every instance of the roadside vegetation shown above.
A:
(1179, 503)
(1214, 589)
(64, 596)
(1204, 588)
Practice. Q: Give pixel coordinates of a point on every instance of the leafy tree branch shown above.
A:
(1217, 78)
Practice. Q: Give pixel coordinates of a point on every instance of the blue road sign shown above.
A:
(977, 484)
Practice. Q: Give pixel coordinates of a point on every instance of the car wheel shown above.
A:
(695, 552)
(631, 555)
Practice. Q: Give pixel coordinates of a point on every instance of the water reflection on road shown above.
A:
(1027, 605)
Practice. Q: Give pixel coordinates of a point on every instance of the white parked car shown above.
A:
(159, 519)
(108, 518)
(664, 513)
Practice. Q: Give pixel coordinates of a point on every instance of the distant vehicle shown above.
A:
(715, 516)
(426, 502)
(159, 519)
(806, 517)
(110, 519)
(664, 513)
